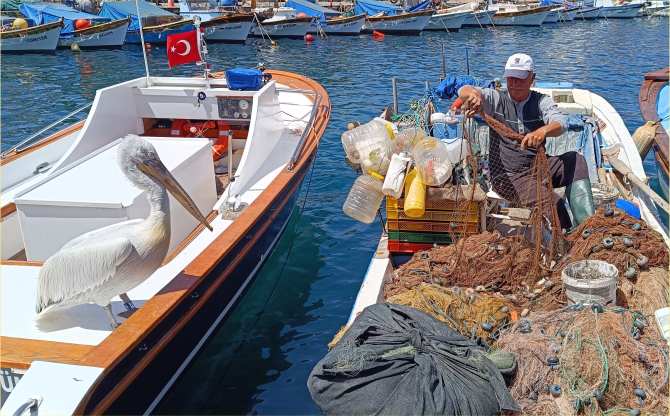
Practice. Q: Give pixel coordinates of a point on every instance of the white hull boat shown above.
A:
(624, 11)
(346, 26)
(43, 38)
(104, 36)
(451, 21)
(552, 17)
(479, 18)
(592, 13)
(568, 15)
(401, 24)
(228, 29)
(284, 24)
(531, 17)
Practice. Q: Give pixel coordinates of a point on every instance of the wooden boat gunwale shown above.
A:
(522, 12)
(165, 26)
(114, 24)
(35, 30)
(288, 20)
(649, 90)
(342, 20)
(400, 16)
(231, 18)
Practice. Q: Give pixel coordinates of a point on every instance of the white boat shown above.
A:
(589, 13)
(340, 26)
(399, 24)
(478, 18)
(283, 24)
(653, 8)
(218, 26)
(622, 11)
(70, 183)
(106, 35)
(447, 20)
(512, 14)
(42, 38)
(553, 16)
(568, 15)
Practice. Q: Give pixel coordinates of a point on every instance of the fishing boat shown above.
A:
(512, 14)
(100, 33)
(70, 361)
(589, 13)
(478, 18)
(284, 23)
(328, 21)
(568, 15)
(157, 23)
(446, 20)
(653, 100)
(41, 38)
(553, 16)
(656, 8)
(389, 19)
(218, 26)
(621, 11)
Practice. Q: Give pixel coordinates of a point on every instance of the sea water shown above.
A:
(259, 361)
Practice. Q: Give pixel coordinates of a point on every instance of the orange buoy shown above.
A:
(309, 38)
(301, 14)
(170, 3)
(147, 46)
(378, 35)
(82, 24)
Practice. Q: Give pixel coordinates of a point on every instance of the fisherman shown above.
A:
(535, 116)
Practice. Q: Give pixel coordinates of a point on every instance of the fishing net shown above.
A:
(597, 359)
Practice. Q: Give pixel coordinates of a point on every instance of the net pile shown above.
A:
(588, 353)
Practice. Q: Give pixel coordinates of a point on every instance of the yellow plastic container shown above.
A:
(415, 195)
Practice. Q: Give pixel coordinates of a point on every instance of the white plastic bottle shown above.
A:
(369, 141)
(395, 179)
(432, 161)
(365, 198)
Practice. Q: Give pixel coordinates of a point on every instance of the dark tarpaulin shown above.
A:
(43, 13)
(420, 6)
(397, 360)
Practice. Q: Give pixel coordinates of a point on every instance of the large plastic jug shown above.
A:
(415, 195)
(457, 149)
(406, 140)
(378, 165)
(432, 161)
(369, 141)
(365, 198)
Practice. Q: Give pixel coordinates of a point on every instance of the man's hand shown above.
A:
(533, 139)
(473, 104)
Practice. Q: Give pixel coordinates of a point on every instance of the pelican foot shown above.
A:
(108, 310)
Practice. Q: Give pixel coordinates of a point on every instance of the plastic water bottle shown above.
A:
(407, 139)
(365, 198)
(369, 141)
(432, 161)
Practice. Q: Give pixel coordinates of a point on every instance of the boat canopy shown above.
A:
(420, 6)
(311, 9)
(151, 15)
(43, 13)
(373, 7)
(558, 3)
(12, 5)
(229, 3)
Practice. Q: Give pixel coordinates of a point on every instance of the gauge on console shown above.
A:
(244, 104)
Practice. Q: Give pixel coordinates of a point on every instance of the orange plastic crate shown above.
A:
(460, 216)
(435, 227)
(400, 247)
(398, 205)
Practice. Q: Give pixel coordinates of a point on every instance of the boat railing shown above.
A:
(28, 142)
(308, 128)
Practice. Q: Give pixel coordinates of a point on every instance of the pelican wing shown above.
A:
(78, 268)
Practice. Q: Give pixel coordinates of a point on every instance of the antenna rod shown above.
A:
(144, 47)
(202, 48)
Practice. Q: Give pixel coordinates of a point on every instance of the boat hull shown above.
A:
(153, 384)
(40, 42)
(552, 17)
(568, 15)
(662, 171)
(520, 19)
(626, 11)
(287, 30)
(589, 14)
(228, 32)
(477, 19)
(156, 37)
(112, 38)
(349, 26)
(407, 24)
(451, 22)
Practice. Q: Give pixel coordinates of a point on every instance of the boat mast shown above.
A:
(202, 49)
(144, 47)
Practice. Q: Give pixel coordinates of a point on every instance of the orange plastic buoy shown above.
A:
(378, 35)
(301, 15)
(309, 38)
(170, 3)
(82, 24)
(147, 46)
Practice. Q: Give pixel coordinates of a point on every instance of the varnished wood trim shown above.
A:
(166, 26)
(188, 239)
(660, 75)
(227, 19)
(7, 209)
(400, 16)
(35, 30)
(101, 27)
(22, 263)
(647, 102)
(541, 9)
(342, 20)
(20, 352)
(117, 345)
(56, 136)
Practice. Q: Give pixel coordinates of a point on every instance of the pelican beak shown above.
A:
(153, 167)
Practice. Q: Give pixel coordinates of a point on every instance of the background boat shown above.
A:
(449, 21)
(621, 11)
(511, 14)
(284, 23)
(653, 100)
(219, 27)
(42, 38)
(328, 21)
(389, 19)
(102, 32)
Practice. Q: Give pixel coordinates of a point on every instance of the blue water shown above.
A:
(258, 363)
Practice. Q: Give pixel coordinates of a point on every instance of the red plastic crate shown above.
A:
(436, 227)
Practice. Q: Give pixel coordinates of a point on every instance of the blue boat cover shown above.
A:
(449, 87)
(420, 6)
(116, 10)
(243, 79)
(558, 3)
(229, 3)
(43, 13)
(311, 9)
(374, 7)
(662, 106)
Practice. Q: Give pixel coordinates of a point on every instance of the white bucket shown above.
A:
(589, 281)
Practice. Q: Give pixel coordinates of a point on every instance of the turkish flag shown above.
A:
(182, 48)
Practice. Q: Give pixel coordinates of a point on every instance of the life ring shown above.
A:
(185, 128)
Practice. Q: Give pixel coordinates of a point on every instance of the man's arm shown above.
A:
(556, 124)
(476, 99)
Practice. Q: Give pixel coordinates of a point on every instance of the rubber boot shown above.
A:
(580, 198)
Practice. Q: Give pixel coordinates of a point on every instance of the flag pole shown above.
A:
(202, 48)
(144, 47)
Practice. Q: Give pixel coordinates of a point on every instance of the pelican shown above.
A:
(110, 261)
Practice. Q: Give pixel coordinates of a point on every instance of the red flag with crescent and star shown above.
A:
(182, 48)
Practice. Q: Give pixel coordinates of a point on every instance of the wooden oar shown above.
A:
(628, 173)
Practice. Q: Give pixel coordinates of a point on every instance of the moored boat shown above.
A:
(512, 14)
(42, 38)
(328, 21)
(157, 23)
(449, 21)
(653, 100)
(589, 13)
(71, 357)
(218, 26)
(284, 23)
(389, 19)
(98, 32)
(553, 16)
(621, 11)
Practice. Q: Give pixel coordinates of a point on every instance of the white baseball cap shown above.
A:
(519, 65)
